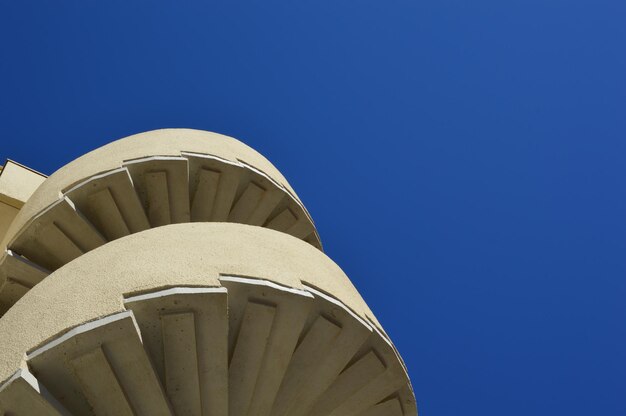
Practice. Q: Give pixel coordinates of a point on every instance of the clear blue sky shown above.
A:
(464, 160)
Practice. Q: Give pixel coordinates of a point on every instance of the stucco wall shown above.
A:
(165, 142)
(193, 254)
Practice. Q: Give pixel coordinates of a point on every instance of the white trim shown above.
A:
(81, 329)
(19, 258)
(263, 282)
(14, 376)
(175, 291)
(211, 157)
(152, 158)
(337, 302)
(96, 177)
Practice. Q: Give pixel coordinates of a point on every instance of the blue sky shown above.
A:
(463, 161)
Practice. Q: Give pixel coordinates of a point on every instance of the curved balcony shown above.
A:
(199, 319)
(140, 182)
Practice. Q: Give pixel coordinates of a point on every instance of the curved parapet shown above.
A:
(140, 182)
(176, 272)
(199, 319)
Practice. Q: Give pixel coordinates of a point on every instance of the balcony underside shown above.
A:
(153, 324)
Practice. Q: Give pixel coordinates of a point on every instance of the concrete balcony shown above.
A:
(176, 272)
(199, 319)
(144, 181)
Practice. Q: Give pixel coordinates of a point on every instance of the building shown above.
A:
(176, 272)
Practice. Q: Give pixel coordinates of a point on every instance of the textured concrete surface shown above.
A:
(175, 272)
(166, 142)
(88, 208)
(17, 184)
(93, 285)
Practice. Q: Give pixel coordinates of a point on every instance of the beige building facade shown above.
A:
(176, 272)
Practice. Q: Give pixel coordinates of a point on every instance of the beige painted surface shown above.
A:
(7, 214)
(191, 254)
(166, 142)
(230, 318)
(17, 183)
